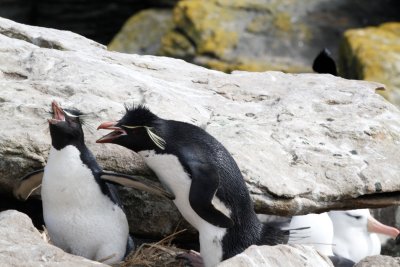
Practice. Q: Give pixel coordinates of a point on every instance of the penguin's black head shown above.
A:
(139, 129)
(65, 127)
(324, 63)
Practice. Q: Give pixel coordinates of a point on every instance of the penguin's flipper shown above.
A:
(191, 258)
(27, 184)
(205, 182)
(135, 182)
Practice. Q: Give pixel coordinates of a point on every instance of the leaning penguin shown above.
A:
(82, 212)
(209, 189)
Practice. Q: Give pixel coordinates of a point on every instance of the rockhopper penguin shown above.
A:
(82, 212)
(324, 63)
(209, 189)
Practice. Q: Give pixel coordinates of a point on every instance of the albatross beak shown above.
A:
(116, 132)
(374, 226)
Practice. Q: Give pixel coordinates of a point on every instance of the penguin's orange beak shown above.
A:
(58, 113)
(116, 132)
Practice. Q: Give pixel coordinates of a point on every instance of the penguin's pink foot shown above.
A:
(192, 258)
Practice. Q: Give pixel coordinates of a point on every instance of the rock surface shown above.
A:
(389, 216)
(379, 261)
(21, 244)
(304, 143)
(258, 35)
(390, 248)
(276, 256)
(142, 33)
(373, 54)
(95, 19)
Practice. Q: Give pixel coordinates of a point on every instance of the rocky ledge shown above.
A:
(304, 142)
(21, 244)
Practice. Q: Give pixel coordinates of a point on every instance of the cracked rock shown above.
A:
(21, 244)
(312, 142)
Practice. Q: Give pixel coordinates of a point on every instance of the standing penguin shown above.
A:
(209, 189)
(82, 212)
(324, 63)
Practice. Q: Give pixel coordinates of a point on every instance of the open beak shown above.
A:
(58, 113)
(116, 132)
(375, 226)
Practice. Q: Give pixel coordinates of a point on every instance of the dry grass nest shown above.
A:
(162, 253)
(159, 254)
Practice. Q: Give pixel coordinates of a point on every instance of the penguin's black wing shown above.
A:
(135, 182)
(27, 184)
(112, 192)
(205, 182)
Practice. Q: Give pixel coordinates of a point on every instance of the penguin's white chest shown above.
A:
(79, 217)
(173, 176)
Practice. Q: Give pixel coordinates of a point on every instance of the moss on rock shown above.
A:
(175, 44)
(255, 35)
(204, 23)
(373, 54)
(142, 33)
(249, 65)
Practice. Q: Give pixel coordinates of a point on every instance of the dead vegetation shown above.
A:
(160, 254)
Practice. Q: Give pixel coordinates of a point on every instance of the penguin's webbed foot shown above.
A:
(191, 258)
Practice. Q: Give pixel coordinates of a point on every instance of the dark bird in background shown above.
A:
(324, 63)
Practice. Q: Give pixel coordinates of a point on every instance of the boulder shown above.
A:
(21, 244)
(95, 19)
(379, 260)
(258, 35)
(373, 54)
(142, 33)
(390, 248)
(277, 256)
(304, 142)
(389, 216)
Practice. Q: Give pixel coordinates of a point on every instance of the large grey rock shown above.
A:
(258, 35)
(142, 33)
(99, 20)
(372, 54)
(304, 142)
(21, 244)
(379, 261)
(276, 256)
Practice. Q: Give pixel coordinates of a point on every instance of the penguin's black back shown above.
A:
(191, 143)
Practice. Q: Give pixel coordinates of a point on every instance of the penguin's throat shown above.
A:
(58, 113)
